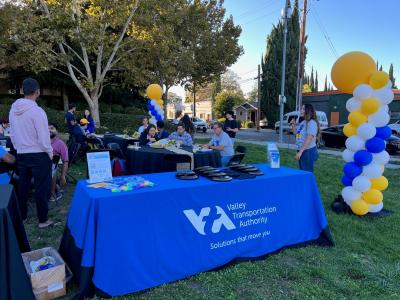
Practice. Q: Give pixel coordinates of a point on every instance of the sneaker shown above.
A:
(45, 224)
(52, 199)
(59, 195)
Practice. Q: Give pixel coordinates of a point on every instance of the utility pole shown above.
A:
(194, 100)
(282, 98)
(299, 95)
(258, 98)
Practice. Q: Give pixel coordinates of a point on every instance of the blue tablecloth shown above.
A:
(143, 238)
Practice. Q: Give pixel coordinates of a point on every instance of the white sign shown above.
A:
(99, 166)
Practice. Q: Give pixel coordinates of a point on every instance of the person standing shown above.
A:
(145, 123)
(306, 138)
(189, 126)
(221, 142)
(30, 137)
(230, 125)
(88, 116)
(70, 118)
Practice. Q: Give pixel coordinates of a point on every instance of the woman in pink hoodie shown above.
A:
(30, 137)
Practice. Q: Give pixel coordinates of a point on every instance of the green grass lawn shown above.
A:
(364, 264)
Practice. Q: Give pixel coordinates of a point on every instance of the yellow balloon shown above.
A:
(359, 207)
(356, 118)
(378, 80)
(349, 130)
(381, 183)
(372, 196)
(160, 102)
(351, 70)
(154, 91)
(370, 106)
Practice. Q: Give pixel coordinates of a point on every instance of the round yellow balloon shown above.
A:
(154, 91)
(372, 196)
(349, 130)
(351, 70)
(359, 207)
(160, 102)
(378, 80)
(370, 106)
(381, 183)
(356, 118)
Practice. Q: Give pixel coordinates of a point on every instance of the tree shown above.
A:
(226, 100)
(316, 82)
(253, 94)
(271, 67)
(312, 81)
(326, 83)
(391, 76)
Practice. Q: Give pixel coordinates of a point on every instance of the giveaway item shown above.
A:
(273, 155)
(221, 178)
(186, 175)
(43, 263)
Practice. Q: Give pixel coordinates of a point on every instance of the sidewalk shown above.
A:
(322, 151)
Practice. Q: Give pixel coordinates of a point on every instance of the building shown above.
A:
(203, 110)
(333, 103)
(246, 112)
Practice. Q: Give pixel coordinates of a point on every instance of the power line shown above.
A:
(263, 16)
(255, 9)
(325, 33)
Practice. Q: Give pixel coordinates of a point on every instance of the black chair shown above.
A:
(116, 147)
(241, 149)
(236, 159)
(73, 154)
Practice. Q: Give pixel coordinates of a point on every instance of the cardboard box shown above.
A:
(47, 284)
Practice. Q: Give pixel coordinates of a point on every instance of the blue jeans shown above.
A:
(307, 159)
(225, 160)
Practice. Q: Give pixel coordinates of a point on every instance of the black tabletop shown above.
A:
(14, 281)
(122, 142)
(156, 160)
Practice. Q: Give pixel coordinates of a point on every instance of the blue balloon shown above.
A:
(362, 157)
(347, 181)
(383, 132)
(149, 107)
(158, 118)
(375, 145)
(352, 170)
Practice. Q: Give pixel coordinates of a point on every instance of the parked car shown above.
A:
(264, 123)
(395, 127)
(199, 124)
(287, 118)
(335, 138)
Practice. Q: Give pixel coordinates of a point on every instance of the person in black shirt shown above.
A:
(70, 118)
(148, 136)
(230, 125)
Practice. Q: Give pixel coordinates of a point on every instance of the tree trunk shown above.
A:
(94, 109)
(65, 98)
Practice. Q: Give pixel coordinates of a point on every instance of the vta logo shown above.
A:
(199, 223)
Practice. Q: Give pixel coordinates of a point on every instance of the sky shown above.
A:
(334, 27)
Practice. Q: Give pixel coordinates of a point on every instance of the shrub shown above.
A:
(117, 108)
(250, 124)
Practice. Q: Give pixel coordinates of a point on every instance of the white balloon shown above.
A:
(374, 208)
(348, 155)
(353, 104)
(372, 171)
(385, 108)
(363, 91)
(355, 143)
(366, 131)
(361, 184)
(381, 158)
(380, 118)
(150, 113)
(389, 85)
(153, 102)
(384, 94)
(349, 194)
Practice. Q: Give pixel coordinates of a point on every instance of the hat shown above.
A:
(84, 121)
(29, 86)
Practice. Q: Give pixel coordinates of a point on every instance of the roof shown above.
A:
(247, 106)
(336, 92)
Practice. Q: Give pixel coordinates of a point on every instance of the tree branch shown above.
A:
(74, 52)
(118, 43)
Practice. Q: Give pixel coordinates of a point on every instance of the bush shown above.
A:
(250, 124)
(117, 108)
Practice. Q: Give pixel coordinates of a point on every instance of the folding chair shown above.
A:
(236, 159)
(117, 148)
(95, 143)
(73, 152)
(241, 149)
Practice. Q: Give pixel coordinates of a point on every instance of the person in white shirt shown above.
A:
(145, 124)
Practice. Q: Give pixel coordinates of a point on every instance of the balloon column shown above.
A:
(367, 131)
(155, 103)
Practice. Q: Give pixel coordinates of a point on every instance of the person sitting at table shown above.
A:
(148, 136)
(144, 126)
(8, 159)
(181, 136)
(88, 116)
(221, 142)
(5, 128)
(161, 132)
(59, 149)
